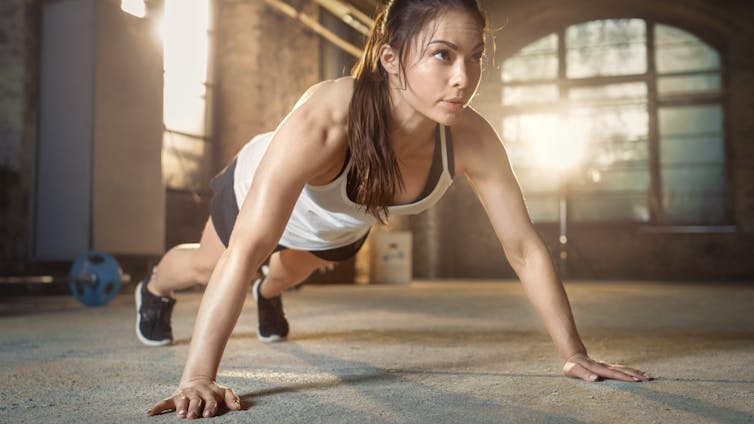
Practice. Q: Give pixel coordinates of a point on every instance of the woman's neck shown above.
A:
(408, 128)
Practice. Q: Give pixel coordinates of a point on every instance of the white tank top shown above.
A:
(324, 217)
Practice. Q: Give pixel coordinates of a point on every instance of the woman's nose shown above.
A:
(460, 76)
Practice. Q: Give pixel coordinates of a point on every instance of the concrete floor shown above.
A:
(429, 352)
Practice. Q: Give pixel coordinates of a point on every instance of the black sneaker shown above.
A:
(273, 327)
(153, 316)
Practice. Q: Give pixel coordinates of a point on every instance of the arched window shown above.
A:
(624, 116)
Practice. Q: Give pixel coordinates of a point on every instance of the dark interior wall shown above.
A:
(467, 246)
(19, 41)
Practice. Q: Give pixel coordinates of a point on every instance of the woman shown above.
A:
(350, 153)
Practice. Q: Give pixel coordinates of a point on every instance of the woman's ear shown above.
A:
(389, 59)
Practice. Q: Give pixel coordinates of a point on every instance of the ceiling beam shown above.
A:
(315, 26)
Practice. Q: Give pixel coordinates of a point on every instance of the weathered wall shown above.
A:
(18, 85)
(264, 61)
(466, 245)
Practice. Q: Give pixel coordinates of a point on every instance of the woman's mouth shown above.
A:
(455, 105)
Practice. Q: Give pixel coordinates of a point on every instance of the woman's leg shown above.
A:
(187, 264)
(288, 268)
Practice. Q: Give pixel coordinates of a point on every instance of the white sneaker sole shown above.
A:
(268, 339)
(142, 339)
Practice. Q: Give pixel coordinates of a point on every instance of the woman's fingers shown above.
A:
(617, 372)
(232, 401)
(607, 372)
(181, 404)
(195, 407)
(576, 370)
(210, 409)
(632, 374)
(161, 406)
(591, 370)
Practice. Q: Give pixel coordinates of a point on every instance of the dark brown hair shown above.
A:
(375, 170)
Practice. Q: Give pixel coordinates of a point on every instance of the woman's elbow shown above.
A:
(527, 252)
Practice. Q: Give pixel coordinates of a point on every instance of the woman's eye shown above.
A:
(442, 54)
(478, 57)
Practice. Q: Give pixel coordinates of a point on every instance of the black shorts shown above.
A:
(224, 211)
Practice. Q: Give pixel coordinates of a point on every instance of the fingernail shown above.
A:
(206, 414)
(182, 412)
(636, 378)
(192, 414)
(593, 377)
(237, 402)
(148, 411)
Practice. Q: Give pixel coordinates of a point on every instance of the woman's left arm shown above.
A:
(480, 155)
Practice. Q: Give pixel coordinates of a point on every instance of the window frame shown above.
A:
(653, 103)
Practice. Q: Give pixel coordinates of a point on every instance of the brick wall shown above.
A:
(264, 61)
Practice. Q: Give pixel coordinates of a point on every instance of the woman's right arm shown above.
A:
(303, 146)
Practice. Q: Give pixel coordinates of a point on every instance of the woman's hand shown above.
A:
(197, 399)
(582, 366)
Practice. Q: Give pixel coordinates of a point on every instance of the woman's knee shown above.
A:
(202, 273)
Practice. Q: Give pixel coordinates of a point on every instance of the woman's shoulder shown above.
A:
(474, 139)
(329, 98)
(471, 129)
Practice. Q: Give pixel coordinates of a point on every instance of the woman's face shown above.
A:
(443, 67)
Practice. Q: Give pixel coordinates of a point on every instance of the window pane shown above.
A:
(613, 182)
(698, 208)
(692, 164)
(618, 194)
(522, 132)
(538, 60)
(617, 179)
(606, 47)
(186, 158)
(697, 84)
(523, 136)
(615, 136)
(677, 51)
(531, 94)
(690, 120)
(185, 161)
(690, 149)
(533, 182)
(542, 208)
(617, 207)
(692, 178)
(185, 110)
(627, 93)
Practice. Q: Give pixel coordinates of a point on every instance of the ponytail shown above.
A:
(375, 170)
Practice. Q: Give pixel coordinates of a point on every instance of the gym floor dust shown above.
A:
(428, 352)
